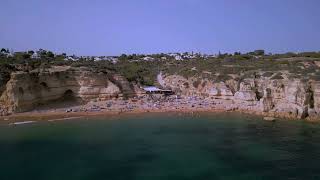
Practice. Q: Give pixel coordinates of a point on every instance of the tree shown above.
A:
(290, 54)
(60, 57)
(42, 53)
(26, 56)
(123, 57)
(237, 53)
(259, 52)
(31, 52)
(50, 54)
(132, 57)
(3, 50)
(220, 55)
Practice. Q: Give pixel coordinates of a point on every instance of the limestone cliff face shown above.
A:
(24, 91)
(290, 97)
(284, 96)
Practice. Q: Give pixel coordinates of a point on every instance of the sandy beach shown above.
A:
(114, 108)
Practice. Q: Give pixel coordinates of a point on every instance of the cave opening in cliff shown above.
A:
(44, 86)
(311, 103)
(69, 96)
(67, 99)
(21, 91)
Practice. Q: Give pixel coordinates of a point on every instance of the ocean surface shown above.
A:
(161, 147)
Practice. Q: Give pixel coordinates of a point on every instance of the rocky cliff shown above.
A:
(272, 93)
(27, 90)
(284, 96)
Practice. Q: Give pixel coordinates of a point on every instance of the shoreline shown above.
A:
(60, 116)
(142, 106)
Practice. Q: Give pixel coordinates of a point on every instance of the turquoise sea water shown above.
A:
(161, 147)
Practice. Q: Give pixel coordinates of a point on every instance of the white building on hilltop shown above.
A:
(35, 56)
(148, 58)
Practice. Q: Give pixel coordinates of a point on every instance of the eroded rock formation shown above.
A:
(289, 97)
(26, 90)
(286, 97)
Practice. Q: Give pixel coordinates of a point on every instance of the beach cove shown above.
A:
(187, 106)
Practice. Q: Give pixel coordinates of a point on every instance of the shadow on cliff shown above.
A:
(124, 85)
(69, 99)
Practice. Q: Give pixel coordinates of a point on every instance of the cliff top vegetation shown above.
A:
(144, 68)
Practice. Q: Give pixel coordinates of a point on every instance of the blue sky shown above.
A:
(113, 27)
